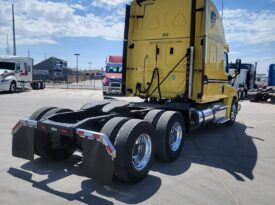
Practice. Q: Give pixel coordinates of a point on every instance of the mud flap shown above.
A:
(97, 163)
(23, 143)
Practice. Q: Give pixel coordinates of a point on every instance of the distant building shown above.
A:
(51, 69)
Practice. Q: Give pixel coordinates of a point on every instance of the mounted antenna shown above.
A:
(13, 31)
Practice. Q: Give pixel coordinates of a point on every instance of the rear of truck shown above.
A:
(175, 57)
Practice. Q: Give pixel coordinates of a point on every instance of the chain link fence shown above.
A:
(92, 84)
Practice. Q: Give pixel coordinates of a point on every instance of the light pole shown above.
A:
(77, 54)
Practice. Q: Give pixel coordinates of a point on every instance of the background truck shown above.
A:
(175, 57)
(112, 80)
(17, 72)
(246, 80)
(267, 92)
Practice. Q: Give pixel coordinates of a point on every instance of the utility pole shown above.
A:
(77, 54)
(222, 9)
(13, 31)
(8, 45)
(28, 53)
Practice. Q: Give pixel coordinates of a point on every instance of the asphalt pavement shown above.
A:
(219, 165)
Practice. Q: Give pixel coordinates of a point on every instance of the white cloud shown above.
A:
(40, 21)
(248, 27)
(108, 3)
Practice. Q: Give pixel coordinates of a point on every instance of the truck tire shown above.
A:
(34, 85)
(95, 105)
(56, 110)
(169, 136)
(116, 106)
(43, 142)
(12, 87)
(43, 85)
(39, 85)
(135, 151)
(37, 116)
(153, 117)
(242, 95)
(112, 127)
(233, 113)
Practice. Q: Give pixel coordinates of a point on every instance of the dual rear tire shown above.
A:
(133, 141)
(138, 141)
(43, 143)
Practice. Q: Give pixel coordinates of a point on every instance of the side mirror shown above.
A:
(238, 66)
(139, 2)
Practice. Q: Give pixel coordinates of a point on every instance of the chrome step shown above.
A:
(222, 121)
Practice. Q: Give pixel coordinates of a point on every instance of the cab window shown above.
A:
(225, 62)
(17, 67)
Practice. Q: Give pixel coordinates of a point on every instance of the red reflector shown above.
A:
(96, 136)
(109, 150)
(80, 132)
(64, 131)
(18, 124)
(43, 127)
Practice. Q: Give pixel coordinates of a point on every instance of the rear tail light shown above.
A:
(109, 150)
(64, 131)
(96, 136)
(43, 127)
(16, 127)
(80, 133)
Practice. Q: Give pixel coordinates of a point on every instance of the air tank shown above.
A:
(271, 75)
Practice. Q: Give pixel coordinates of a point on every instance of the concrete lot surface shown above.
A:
(219, 165)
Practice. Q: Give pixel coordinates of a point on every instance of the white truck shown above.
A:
(17, 72)
(246, 80)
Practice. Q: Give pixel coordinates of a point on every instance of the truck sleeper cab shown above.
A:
(17, 72)
(175, 58)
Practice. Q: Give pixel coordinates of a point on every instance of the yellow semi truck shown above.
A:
(175, 58)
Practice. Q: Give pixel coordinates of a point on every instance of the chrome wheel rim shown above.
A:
(233, 111)
(175, 136)
(141, 152)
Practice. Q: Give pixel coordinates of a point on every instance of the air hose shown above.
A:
(159, 84)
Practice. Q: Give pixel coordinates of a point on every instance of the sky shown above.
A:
(94, 29)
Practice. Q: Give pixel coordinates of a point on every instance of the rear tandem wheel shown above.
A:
(169, 136)
(43, 142)
(135, 151)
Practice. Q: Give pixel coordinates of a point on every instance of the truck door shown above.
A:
(215, 77)
(18, 71)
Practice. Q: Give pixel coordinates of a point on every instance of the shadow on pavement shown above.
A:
(227, 148)
(130, 194)
(17, 92)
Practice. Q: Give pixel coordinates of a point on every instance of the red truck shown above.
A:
(112, 80)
